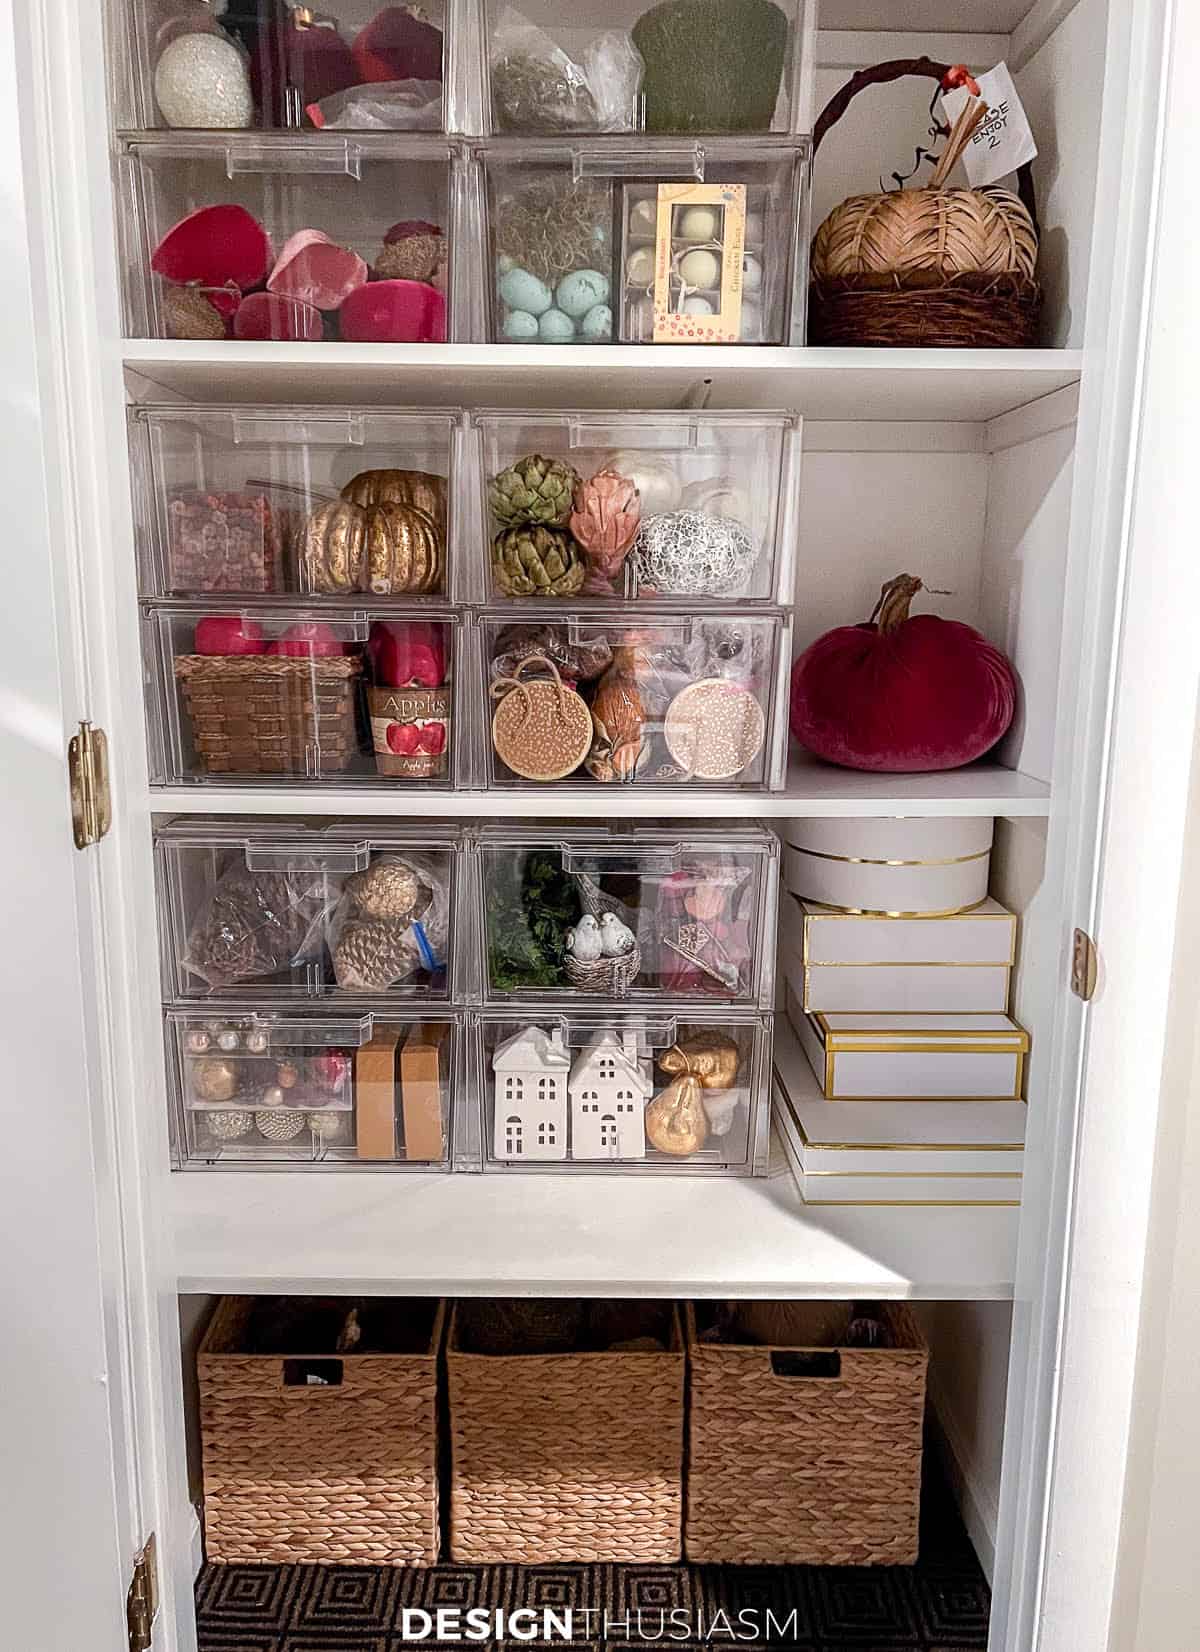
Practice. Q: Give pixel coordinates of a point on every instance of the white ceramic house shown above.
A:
(610, 1086)
(530, 1113)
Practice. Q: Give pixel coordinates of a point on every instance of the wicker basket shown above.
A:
(931, 268)
(271, 714)
(567, 1457)
(801, 1452)
(340, 1473)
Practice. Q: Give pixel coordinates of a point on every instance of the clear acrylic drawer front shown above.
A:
(647, 241)
(186, 63)
(613, 1090)
(679, 66)
(213, 247)
(262, 500)
(285, 913)
(632, 504)
(250, 692)
(633, 698)
(651, 915)
(250, 1087)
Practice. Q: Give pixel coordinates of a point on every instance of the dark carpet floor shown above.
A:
(938, 1605)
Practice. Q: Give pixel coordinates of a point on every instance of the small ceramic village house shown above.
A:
(530, 1112)
(610, 1086)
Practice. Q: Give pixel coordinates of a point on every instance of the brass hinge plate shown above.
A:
(1085, 965)
(142, 1601)
(91, 801)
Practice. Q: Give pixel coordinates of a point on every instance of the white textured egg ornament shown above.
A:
(654, 478)
(202, 80)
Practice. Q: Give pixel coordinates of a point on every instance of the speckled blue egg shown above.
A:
(597, 324)
(519, 324)
(504, 263)
(522, 291)
(580, 292)
(555, 328)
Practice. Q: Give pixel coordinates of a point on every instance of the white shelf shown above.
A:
(888, 385)
(813, 789)
(360, 1233)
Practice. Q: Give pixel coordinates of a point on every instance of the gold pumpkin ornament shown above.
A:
(385, 534)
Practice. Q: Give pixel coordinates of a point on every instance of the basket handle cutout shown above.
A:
(824, 1364)
(312, 1373)
(898, 68)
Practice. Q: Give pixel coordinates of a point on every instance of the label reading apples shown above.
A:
(410, 730)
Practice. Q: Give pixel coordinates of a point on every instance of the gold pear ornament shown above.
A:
(676, 1120)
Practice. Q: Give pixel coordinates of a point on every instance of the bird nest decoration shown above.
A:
(611, 971)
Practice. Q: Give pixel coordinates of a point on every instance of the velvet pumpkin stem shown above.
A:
(892, 608)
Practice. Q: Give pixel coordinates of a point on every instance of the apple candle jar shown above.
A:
(410, 698)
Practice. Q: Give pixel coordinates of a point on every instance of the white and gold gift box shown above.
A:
(911, 866)
(870, 1055)
(892, 1152)
(845, 961)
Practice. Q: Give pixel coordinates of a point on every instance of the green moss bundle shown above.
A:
(712, 65)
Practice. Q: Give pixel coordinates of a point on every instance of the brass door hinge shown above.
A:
(141, 1603)
(91, 802)
(1085, 965)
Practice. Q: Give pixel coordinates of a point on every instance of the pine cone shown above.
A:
(537, 562)
(387, 889)
(374, 955)
(533, 490)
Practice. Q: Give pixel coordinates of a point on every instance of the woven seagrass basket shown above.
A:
(271, 714)
(560, 1458)
(934, 268)
(801, 1451)
(611, 976)
(322, 1457)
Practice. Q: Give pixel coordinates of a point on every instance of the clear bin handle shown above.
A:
(583, 631)
(283, 857)
(662, 858)
(335, 159)
(662, 164)
(629, 434)
(285, 1033)
(340, 428)
(656, 1032)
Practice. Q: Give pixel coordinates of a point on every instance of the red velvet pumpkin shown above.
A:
(901, 695)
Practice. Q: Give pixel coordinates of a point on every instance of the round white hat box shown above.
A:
(911, 865)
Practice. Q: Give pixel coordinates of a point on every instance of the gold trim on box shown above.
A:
(918, 1204)
(922, 1175)
(943, 1036)
(829, 914)
(900, 1147)
(863, 860)
(880, 912)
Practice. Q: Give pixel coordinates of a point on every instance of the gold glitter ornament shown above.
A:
(714, 729)
(542, 730)
(213, 1079)
(280, 1125)
(228, 1126)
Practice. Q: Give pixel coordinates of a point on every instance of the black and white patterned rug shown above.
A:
(938, 1605)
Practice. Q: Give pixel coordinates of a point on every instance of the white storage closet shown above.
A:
(957, 466)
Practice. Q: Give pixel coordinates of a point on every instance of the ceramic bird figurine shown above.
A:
(584, 940)
(616, 938)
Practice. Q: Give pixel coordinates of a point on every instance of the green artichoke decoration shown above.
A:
(533, 490)
(534, 561)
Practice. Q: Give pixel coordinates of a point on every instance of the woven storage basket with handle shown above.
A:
(276, 714)
(931, 267)
(566, 1457)
(800, 1451)
(340, 1471)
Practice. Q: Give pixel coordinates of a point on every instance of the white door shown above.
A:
(78, 1344)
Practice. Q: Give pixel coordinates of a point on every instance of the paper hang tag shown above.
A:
(1004, 140)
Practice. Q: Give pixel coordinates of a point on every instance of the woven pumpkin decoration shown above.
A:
(933, 266)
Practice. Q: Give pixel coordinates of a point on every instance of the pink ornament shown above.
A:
(268, 316)
(605, 514)
(394, 312)
(314, 270)
(215, 246)
(228, 634)
(307, 640)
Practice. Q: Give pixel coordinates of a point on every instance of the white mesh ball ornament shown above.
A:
(692, 553)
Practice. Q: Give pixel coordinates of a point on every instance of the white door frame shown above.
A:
(1079, 1271)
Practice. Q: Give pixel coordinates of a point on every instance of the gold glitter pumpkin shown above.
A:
(542, 730)
(333, 551)
(400, 487)
(390, 548)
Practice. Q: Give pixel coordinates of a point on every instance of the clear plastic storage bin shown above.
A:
(340, 504)
(680, 66)
(612, 1090)
(260, 237)
(650, 915)
(353, 63)
(244, 692)
(252, 1087)
(278, 912)
(633, 504)
(661, 698)
(646, 242)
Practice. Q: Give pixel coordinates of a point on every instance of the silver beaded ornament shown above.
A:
(692, 553)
